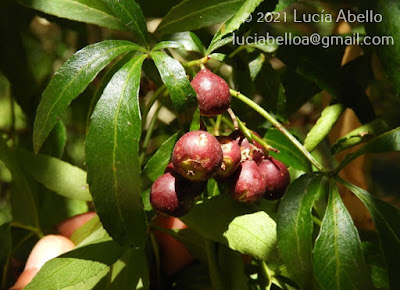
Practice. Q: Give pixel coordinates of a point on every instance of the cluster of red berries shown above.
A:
(198, 156)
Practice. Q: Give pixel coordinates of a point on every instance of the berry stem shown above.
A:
(35, 230)
(263, 143)
(217, 126)
(228, 122)
(316, 220)
(249, 134)
(234, 119)
(200, 62)
(278, 126)
(246, 131)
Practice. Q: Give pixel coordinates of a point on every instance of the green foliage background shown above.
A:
(92, 103)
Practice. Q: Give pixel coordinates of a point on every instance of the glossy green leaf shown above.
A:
(157, 8)
(129, 12)
(24, 206)
(168, 44)
(387, 222)
(174, 76)
(247, 7)
(158, 162)
(256, 65)
(329, 116)
(192, 14)
(218, 56)
(71, 80)
(56, 141)
(76, 266)
(376, 264)
(5, 107)
(288, 153)
(91, 231)
(195, 125)
(189, 40)
(237, 225)
(127, 271)
(390, 59)
(295, 227)
(338, 260)
(112, 157)
(104, 81)
(387, 142)
(366, 132)
(89, 11)
(214, 45)
(265, 47)
(56, 175)
(213, 188)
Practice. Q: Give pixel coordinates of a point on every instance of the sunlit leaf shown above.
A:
(192, 14)
(329, 116)
(129, 12)
(338, 260)
(247, 7)
(90, 11)
(295, 226)
(159, 161)
(76, 266)
(71, 80)
(387, 222)
(174, 76)
(239, 226)
(387, 142)
(56, 175)
(112, 156)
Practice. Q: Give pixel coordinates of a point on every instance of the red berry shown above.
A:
(248, 184)
(250, 151)
(231, 156)
(197, 155)
(276, 177)
(195, 188)
(170, 194)
(213, 96)
(169, 168)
